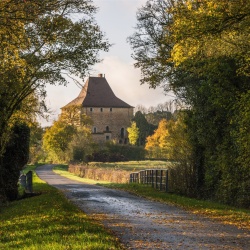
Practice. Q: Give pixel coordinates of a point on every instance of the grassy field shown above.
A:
(48, 221)
(226, 214)
(132, 165)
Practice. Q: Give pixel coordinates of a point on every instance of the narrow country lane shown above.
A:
(143, 224)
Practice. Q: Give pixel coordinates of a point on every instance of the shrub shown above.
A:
(14, 160)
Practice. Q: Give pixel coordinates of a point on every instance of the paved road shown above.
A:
(143, 224)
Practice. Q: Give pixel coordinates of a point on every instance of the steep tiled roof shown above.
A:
(97, 93)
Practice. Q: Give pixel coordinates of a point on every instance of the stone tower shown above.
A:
(110, 115)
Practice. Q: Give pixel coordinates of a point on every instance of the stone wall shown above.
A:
(109, 123)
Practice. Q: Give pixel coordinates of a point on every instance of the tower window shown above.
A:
(101, 109)
(107, 137)
(90, 109)
(110, 109)
(94, 130)
(107, 128)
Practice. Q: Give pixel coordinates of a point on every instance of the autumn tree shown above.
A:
(158, 144)
(69, 138)
(133, 133)
(56, 140)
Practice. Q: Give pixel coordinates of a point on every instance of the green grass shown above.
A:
(132, 165)
(226, 214)
(49, 221)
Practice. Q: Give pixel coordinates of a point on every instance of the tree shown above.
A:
(133, 133)
(69, 138)
(145, 129)
(151, 51)
(206, 63)
(141, 108)
(41, 43)
(36, 152)
(222, 27)
(81, 145)
(56, 141)
(157, 144)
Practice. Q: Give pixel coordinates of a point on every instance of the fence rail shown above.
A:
(157, 178)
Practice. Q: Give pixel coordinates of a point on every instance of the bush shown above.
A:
(130, 153)
(14, 160)
(116, 152)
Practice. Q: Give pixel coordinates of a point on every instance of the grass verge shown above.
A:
(49, 221)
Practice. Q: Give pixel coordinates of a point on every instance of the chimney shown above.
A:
(99, 75)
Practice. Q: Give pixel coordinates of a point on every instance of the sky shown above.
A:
(117, 19)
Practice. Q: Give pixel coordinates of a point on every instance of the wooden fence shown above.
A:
(157, 178)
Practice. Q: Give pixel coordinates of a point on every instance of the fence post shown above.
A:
(161, 171)
(156, 178)
(166, 187)
(152, 177)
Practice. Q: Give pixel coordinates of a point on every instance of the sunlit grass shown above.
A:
(132, 165)
(49, 221)
(224, 213)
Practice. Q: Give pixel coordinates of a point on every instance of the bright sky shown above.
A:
(117, 19)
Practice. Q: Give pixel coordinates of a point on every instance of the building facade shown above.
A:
(110, 115)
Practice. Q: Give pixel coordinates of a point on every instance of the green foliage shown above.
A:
(14, 160)
(37, 153)
(130, 153)
(69, 138)
(113, 152)
(80, 145)
(133, 133)
(145, 129)
(56, 141)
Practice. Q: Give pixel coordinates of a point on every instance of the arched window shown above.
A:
(94, 130)
(122, 133)
(107, 128)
